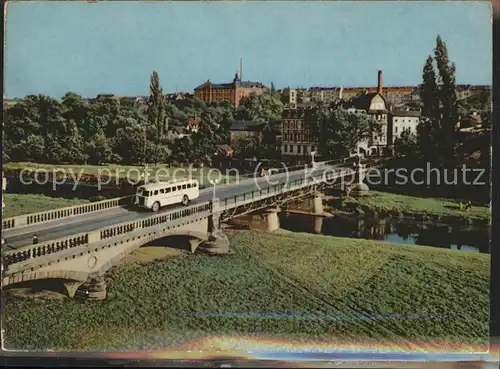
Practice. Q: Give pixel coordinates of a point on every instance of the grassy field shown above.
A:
(133, 172)
(17, 204)
(280, 286)
(386, 202)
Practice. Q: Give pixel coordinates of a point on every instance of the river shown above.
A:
(393, 230)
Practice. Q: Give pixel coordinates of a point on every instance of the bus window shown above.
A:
(189, 185)
(183, 186)
(173, 189)
(145, 193)
(179, 187)
(167, 190)
(156, 192)
(194, 184)
(162, 191)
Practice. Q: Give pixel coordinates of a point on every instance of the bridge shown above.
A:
(79, 244)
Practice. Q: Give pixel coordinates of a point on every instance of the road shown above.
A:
(16, 238)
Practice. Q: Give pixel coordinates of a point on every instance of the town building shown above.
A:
(298, 138)
(177, 132)
(233, 92)
(289, 97)
(470, 121)
(375, 106)
(246, 128)
(326, 94)
(400, 121)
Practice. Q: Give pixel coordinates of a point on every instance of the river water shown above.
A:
(393, 230)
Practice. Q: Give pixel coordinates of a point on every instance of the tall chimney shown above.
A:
(380, 82)
(241, 69)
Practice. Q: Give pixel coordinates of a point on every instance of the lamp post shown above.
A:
(214, 182)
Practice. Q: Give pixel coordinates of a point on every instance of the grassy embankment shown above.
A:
(16, 204)
(280, 286)
(132, 172)
(413, 206)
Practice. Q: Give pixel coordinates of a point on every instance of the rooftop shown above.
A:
(247, 125)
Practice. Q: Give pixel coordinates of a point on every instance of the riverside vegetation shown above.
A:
(385, 203)
(275, 285)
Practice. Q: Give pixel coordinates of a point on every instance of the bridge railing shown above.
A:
(273, 190)
(26, 253)
(67, 212)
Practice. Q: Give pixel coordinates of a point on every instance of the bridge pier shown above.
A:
(272, 220)
(218, 242)
(93, 290)
(72, 287)
(318, 204)
(359, 188)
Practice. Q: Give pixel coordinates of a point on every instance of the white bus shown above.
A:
(155, 195)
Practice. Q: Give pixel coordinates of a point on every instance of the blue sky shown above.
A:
(112, 47)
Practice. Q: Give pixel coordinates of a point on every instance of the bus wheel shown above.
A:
(185, 200)
(156, 206)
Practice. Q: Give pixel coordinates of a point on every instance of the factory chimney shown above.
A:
(380, 82)
(241, 69)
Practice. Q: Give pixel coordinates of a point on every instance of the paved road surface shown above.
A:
(16, 238)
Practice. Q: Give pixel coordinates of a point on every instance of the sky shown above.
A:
(53, 47)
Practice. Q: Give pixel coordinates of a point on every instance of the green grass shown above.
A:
(280, 278)
(132, 172)
(386, 202)
(17, 204)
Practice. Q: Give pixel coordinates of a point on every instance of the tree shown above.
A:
(406, 144)
(266, 106)
(340, 132)
(428, 126)
(98, 149)
(448, 101)
(129, 143)
(246, 147)
(156, 108)
(436, 132)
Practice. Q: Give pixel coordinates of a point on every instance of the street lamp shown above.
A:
(214, 182)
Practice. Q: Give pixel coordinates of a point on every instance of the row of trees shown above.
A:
(118, 130)
(436, 138)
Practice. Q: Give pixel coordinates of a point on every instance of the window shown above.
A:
(189, 185)
(167, 190)
(298, 149)
(156, 192)
(173, 189)
(194, 184)
(395, 129)
(145, 193)
(184, 186)
(179, 187)
(162, 190)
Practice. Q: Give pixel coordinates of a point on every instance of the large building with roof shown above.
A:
(233, 92)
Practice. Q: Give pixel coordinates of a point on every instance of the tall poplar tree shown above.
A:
(436, 131)
(448, 103)
(429, 123)
(156, 105)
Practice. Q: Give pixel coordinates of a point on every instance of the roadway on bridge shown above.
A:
(16, 238)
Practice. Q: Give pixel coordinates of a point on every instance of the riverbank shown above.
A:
(385, 204)
(20, 204)
(276, 285)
